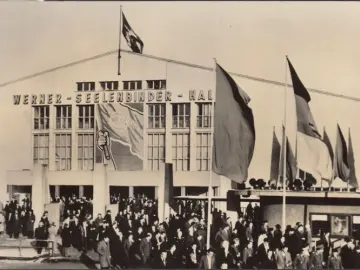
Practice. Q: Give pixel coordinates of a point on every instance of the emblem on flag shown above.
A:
(132, 39)
(103, 143)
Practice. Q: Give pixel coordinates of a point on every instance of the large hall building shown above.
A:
(176, 128)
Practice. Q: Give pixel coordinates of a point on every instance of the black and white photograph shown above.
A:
(179, 135)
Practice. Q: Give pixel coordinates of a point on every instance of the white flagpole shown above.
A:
(284, 153)
(209, 221)
(120, 33)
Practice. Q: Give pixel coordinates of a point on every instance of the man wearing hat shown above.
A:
(208, 261)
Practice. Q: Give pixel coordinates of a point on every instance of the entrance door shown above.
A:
(148, 192)
(69, 191)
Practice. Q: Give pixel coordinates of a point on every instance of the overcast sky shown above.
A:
(321, 39)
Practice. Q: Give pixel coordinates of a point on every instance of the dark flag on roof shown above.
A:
(341, 166)
(132, 39)
(351, 160)
(234, 131)
(275, 157)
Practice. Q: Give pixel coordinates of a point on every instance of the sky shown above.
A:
(252, 38)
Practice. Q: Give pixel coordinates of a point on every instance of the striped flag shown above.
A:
(312, 153)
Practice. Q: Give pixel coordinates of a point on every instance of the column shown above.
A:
(193, 114)
(146, 122)
(168, 135)
(10, 191)
(81, 191)
(52, 126)
(46, 184)
(57, 191)
(100, 189)
(74, 139)
(131, 192)
(183, 191)
(38, 192)
(156, 192)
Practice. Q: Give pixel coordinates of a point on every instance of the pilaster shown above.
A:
(193, 114)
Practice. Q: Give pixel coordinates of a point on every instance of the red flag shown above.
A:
(234, 131)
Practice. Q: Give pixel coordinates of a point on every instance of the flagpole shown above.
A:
(120, 31)
(284, 153)
(210, 165)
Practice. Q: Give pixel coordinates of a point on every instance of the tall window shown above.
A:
(132, 85)
(181, 151)
(156, 151)
(156, 84)
(203, 115)
(63, 152)
(85, 152)
(203, 151)
(41, 149)
(63, 117)
(181, 115)
(86, 116)
(41, 117)
(156, 115)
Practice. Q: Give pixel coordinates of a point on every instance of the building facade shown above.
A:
(67, 160)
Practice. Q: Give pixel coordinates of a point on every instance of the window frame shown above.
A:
(34, 146)
(329, 215)
(175, 147)
(83, 117)
(185, 117)
(61, 119)
(38, 119)
(200, 147)
(153, 117)
(82, 148)
(151, 160)
(201, 116)
(68, 148)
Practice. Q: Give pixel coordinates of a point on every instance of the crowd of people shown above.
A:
(134, 237)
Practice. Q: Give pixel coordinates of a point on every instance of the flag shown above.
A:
(234, 131)
(326, 140)
(351, 160)
(341, 166)
(132, 39)
(275, 157)
(120, 137)
(291, 164)
(312, 154)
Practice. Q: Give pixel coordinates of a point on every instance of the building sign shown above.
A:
(122, 96)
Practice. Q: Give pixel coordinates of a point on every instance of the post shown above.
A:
(284, 153)
(210, 165)
(120, 32)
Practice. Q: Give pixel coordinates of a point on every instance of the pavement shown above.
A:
(14, 256)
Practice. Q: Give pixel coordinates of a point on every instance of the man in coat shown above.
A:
(145, 248)
(208, 261)
(103, 250)
(335, 260)
(283, 258)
